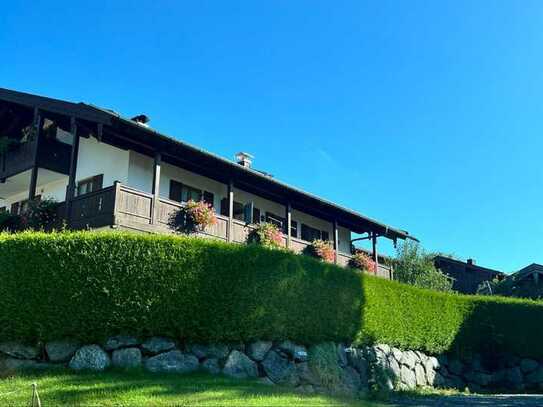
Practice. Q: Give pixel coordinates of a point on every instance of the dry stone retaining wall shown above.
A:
(328, 367)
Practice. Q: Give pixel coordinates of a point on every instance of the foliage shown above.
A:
(40, 215)
(362, 261)
(5, 144)
(416, 267)
(321, 250)
(90, 285)
(59, 388)
(10, 223)
(193, 217)
(267, 235)
(512, 286)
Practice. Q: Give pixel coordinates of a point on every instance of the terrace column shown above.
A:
(288, 217)
(374, 251)
(230, 229)
(34, 174)
(156, 188)
(70, 190)
(336, 241)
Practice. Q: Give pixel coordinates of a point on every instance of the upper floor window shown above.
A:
(183, 193)
(91, 184)
(309, 234)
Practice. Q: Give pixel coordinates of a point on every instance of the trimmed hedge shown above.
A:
(91, 285)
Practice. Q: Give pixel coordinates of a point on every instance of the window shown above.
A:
(90, 184)
(293, 228)
(184, 193)
(238, 209)
(309, 234)
(256, 215)
(3, 209)
(275, 220)
(325, 235)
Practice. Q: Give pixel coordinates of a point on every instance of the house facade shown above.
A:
(111, 172)
(466, 276)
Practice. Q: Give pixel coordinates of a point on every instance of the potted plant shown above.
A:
(321, 249)
(267, 235)
(193, 217)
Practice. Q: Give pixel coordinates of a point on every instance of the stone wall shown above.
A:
(327, 368)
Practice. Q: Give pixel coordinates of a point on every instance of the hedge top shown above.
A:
(90, 285)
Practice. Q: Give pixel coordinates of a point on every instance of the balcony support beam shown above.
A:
(34, 174)
(336, 241)
(156, 187)
(70, 190)
(288, 217)
(230, 229)
(375, 255)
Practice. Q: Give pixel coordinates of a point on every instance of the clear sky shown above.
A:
(426, 115)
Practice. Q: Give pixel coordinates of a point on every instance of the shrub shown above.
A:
(10, 223)
(40, 215)
(267, 235)
(322, 250)
(193, 217)
(361, 261)
(416, 267)
(90, 285)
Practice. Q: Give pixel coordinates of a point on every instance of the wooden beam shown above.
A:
(375, 255)
(336, 241)
(156, 187)
(34, 174)
(70, 190)
(288, 217)
(33, 183)
(230, 229)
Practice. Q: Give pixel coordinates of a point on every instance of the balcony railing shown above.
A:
(128, 208)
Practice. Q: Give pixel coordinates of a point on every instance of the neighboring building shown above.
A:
(466, 276)
(112, 172)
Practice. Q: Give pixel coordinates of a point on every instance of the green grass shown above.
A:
(137, 388)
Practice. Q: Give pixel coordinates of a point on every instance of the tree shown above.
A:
(415, 266)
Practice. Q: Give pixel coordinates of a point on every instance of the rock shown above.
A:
(350, 381)
(126, 358)
(356, 359)
(455, 382)
(456, 367)
(61, 351)
(157, 344)
(342, 355)
(266, 381)
(19, 351)
(397, 354)
(421, 356)
(498, 378)
(173, 361)
(394, 370)
(408, 377)
(120, 341)
(528, 365)
(420, 375)
(305, 374)
(306, 389)
(210, 351)
(385, 349)
(291, 350)
(13, 364)
(443, 360)
(212, 366)
(280, 370)
(514, 377)
(91, 357)
(479, 378)
(240, 366)
(430, 367)
(409, 359)
(258, 350)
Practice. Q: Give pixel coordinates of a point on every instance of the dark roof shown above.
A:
(528, 270)
(167, 144)
(472, 266)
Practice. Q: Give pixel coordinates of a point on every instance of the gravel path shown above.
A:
(504, 400)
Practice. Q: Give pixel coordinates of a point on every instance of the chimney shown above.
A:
(471, 262)
(244, 159)
(141, 119)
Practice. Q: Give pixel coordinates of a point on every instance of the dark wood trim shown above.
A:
(288, 217)
(70, 189)
(33, 183)
(230, 229)
(375, 255)
(156, 187)
(336, 240)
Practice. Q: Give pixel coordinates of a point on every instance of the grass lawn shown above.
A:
(137, 388)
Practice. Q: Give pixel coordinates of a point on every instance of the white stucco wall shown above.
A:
(140, 172)
(47, 189)
(100, 158)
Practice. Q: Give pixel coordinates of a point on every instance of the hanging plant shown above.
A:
(5, 144)
(322, 250)
(361, 261)
(193, 217)
(267, 235)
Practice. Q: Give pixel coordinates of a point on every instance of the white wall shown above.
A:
(264, 205)
(100, 158)
(140, 172)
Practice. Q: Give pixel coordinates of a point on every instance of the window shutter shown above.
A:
(208, 198)
(256, 215)
(97, 182)
(248, 212)
(176, 189)
(15, 208)
(224, 207)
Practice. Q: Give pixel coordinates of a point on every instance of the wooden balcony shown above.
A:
(50, 154)
(122, 207)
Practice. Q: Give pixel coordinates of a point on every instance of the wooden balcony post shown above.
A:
(156, 188)
(230, 229)
(34, 174)
(374, 251)
(288, 217)
(70, 190)
(336, 241)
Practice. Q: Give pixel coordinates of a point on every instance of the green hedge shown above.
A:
(92, 285)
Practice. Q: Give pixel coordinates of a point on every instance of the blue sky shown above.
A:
(426, 115)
